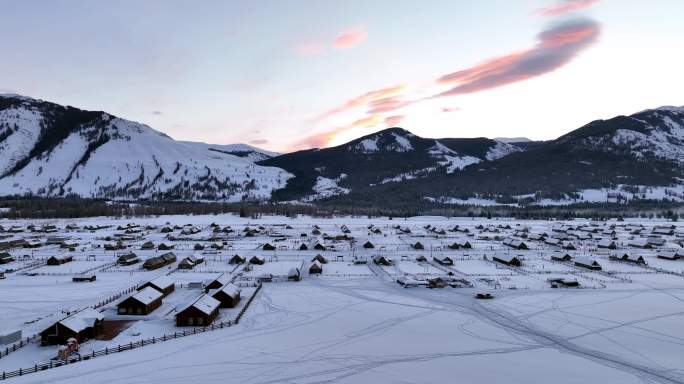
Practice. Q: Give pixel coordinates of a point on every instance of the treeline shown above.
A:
(74, 207)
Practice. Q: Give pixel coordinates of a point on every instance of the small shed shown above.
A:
(268, 247)
(368, 245)
(147, 245)
(418, 245)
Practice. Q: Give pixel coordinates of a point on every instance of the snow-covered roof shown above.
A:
(205, 304)
(230, 289)
(147, 295)
(162, 282)
(79, 321)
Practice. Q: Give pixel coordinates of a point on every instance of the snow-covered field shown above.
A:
(353, 323)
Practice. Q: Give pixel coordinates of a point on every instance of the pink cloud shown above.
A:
(564, 7)
(323, 139)
(351, 37)
(557, 46)
(259, 141)
(310, 49)
(386, 104)
(364, 99)
(393, 121)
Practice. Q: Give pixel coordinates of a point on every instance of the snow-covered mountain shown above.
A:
(50, 150)
(389, 156)
(653, 133)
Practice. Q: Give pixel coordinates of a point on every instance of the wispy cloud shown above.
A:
(351, 37)
(364, 100)
(258, 141)
(563, 7)
(393, 121)
(323, 139)
(556, 47)
(157, 113)
(346, 39)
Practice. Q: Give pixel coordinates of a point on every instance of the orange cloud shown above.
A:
(565, 6)
(393, 121)
(386, 104)
(364, 99)
(351, 37)
(323, 139)
(556, 47)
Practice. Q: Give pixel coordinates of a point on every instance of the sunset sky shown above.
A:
(288, 75)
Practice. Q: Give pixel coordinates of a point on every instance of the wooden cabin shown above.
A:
(368, 245)
(511, 261)
(607, 244)
(268, 247)
(200, 312)
(418, 246)
(315, 268)
(6, 258)
(667, 255)
(141, 303)
(128, 259)
(166, 246)
(236, 259)
(319, 258)
(147, 245)
(443, 260)
(588, 263)
(162, 284)
(561, 257)
(82, 325)
(159, 261)
(257, 260)
(382, 260)
(220, 281)
(228, 295)
(82, 278)
(58, 260)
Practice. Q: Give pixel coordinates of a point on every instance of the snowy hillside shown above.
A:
(390, 156)
(50, 150)
(654, 133)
